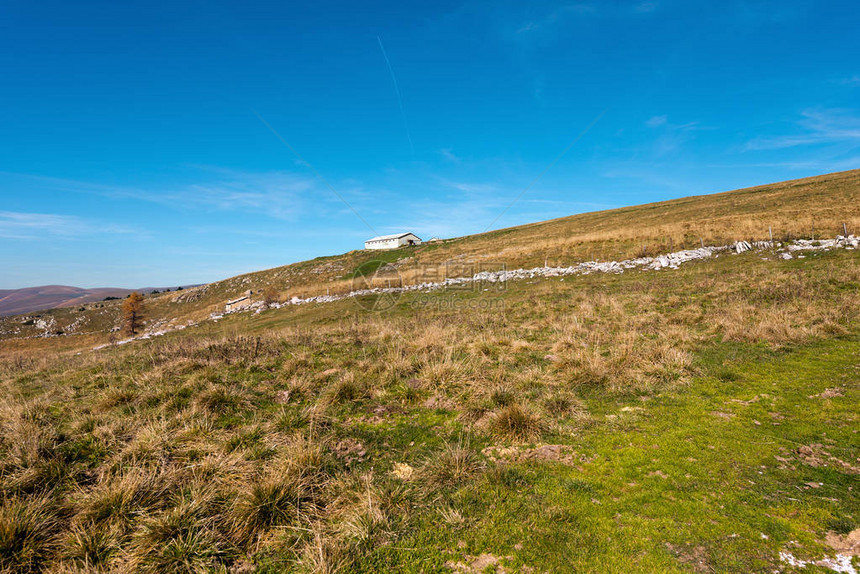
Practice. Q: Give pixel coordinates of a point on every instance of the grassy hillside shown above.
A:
(816, 206)
(812, 207)
(700, 419)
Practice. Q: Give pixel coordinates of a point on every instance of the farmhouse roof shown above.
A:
(394, 236)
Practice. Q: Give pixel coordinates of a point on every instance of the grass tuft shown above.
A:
(452, 466)
(515, 422)
(27, 534)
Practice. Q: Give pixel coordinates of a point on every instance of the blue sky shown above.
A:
(133, 153)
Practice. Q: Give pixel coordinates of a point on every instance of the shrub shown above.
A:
(281, 496)
(502, 396)
(120, 497)
(515, 422)
(90, 545)
(453, 465)
(561, 404)
(177, 540)
(26, 534)
(345, 389)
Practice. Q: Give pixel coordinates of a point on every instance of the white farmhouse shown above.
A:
(392, 241)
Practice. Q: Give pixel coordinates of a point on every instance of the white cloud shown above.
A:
(663, 121)
(817, 127)
(449, 155)
(558, 15)
(472, 188)
(279, 195)
(23, 225)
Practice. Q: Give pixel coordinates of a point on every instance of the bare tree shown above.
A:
(270, 295)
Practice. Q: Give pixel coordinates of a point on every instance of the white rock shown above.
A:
(742, 246)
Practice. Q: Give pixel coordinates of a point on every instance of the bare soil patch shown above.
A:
(548, 452)
(814, 455)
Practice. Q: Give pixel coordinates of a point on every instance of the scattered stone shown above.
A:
(829, 393)
(402, 471)
(696, 557)
(438, 402)
(849, 545)
(722, 415)
(478, 564)
(669, 260)
(755, 399)
(785, 463)
(814, 455)
(742, 246)
(242, 566)
(349, 451)
(841, 563)
(548, 452)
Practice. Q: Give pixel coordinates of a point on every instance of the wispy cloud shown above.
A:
(472, 188)
(449, 155)
(816, 127)
(663, 122)
(554, 16)
(279, 195)
(670, 137)
(28, 226)
(821, 165)
(559, 14)
(474, 205)
(450, 217)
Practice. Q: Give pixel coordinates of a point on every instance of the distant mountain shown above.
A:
(29, 299)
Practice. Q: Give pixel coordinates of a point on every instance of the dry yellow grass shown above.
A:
(818, 206)
(803, 208)
(202, 451)
(250, 440)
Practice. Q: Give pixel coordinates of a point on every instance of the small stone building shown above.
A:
(241, 302)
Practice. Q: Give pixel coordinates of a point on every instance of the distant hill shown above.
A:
(29, 299)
